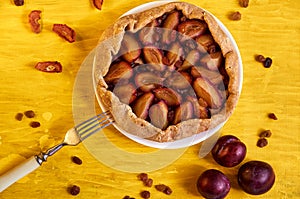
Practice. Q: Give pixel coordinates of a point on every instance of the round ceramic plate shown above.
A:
(189, 141)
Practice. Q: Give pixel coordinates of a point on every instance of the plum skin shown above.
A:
(256, 177)
(229, 151)
(213, 184)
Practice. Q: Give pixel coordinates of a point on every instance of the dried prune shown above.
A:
(65, 32)
(49, 66)
(98, 4)
(34, 17)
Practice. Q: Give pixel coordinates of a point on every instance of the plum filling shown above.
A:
(170, 71)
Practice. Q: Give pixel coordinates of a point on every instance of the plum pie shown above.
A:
(167, 73)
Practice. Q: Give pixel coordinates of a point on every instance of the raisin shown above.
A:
(272, 116)
(260, 58)
(34, 124)
(19, 116)
(262, 142)
(98, 4)
(160, 187)
(268, 62)
(19, 2)
(143, 177)
(74, 190)
(128, 197)
(235, 16)
(145, 194)
(168, 191)
(76, 160)
(148, 182)
(244, 3)
(65, 32)
(49, 66)
(34, 17)
(265, 134)
(29, 114)
(163, 188)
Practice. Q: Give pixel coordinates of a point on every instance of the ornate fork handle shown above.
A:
(42, 157)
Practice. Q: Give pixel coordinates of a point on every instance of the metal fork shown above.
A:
(73, 137)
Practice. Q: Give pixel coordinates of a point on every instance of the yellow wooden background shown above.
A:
(268, 27)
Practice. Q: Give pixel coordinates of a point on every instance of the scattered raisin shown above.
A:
(168, 191)
(29, 114)
(265, 134)
(19, 116)
(260, 58)
(262, 142)
(34, 124)
(34, 17)
(244, 3)
(128, 197)
(235, 16)
(19, 2)
(148, 182)
(143, 177)
(49, 66)
(145, 194)
(76, 160)
(160, 187)
(74, 190)
(268, 62)
(272, 116)
(98, 4)
(164, 188)
(65, 32)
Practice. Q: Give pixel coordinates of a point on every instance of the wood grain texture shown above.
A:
(268, 27)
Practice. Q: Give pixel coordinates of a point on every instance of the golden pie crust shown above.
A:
(122, 113)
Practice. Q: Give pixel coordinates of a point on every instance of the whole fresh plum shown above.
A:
(229, 151)
(213, 184)
(256, 177)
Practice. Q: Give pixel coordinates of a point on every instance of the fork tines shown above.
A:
(93, 125)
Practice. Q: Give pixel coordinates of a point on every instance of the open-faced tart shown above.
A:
(167, 73)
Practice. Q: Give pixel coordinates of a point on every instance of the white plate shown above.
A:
(197, 138)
